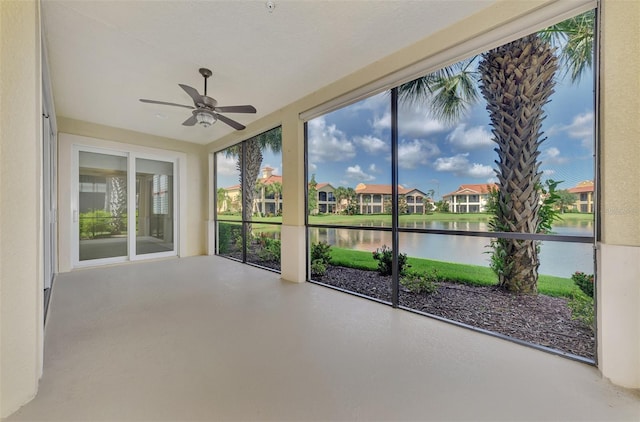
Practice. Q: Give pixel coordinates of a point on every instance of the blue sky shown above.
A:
(352, 145)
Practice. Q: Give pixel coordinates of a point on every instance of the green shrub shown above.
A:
(318, 267)
(320, 251)
(95, 223)
(270, 250)
(584, 282)
(425, 283)
(228, 235)
(384, 256)
(582, 309)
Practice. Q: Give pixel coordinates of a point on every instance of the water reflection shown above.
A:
(556, 258)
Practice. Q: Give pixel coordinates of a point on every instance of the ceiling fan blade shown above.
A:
(230, 122)
(193, 93)
(190, 121)
(166, 103)
(236, 109)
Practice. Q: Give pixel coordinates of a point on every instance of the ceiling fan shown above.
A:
(205, 109)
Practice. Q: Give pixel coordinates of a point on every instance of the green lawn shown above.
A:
(448, 271)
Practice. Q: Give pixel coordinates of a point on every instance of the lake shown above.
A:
(556, 258)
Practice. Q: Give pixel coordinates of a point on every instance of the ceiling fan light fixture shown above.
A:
(205, 119)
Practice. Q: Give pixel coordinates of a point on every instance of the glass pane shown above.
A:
(519, 151)
(347, 260)
(462, 287)
(264, 176)
(229, 193)
(264, 247)
(102, 206)
(229, 240)
(154, 206)
(349, 165)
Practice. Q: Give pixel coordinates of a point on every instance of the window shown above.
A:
(462, 239)
(248, 200)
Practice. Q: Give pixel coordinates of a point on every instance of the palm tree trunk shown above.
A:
(253, 156)
(517, 81)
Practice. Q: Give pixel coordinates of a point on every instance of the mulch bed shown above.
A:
(537, 319)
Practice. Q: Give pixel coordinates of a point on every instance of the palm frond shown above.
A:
(574, 38)
(448, 92)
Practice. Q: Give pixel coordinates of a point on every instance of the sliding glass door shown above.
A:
(124, 207)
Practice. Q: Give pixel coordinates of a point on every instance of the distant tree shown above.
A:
(442, 206)
(312, 196)
(259, 189)
(275, 188)
(565, 200)
(403, 206)
(271, 139)
(427, 201)
(341, 194)
(222, 199)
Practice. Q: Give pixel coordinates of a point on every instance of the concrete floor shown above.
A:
(205, 338)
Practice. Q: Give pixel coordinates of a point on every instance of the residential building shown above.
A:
(101, 47)
(268, 201)
(583, 193)
(469, 198)
(265, 202)
(375, 199)
(325, 199)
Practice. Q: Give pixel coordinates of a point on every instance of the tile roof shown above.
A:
(478, 188)
(383, 189)
(582, 187)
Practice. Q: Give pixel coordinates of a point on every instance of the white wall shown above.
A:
(618, 285)
(21, 277)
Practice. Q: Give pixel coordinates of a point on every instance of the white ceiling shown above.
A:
(105, 55)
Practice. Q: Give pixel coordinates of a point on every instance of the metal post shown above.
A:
(395, 200)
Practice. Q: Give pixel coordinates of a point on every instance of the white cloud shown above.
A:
(416, 121)
(580, 128)
(552, 156)
(472, 138)
(371, 144)
(373, 168)
(328, 143)
(226, 165)
(412, 154)
(460, 166)
(356, 173)
(382, 122)
(312, 167)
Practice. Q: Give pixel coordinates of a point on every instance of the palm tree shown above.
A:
(340, 194)
(221, 198)
(516, 80)
(254, 147)
(276, 189)
(258, 206)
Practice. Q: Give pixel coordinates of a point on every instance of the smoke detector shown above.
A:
(270, 6)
